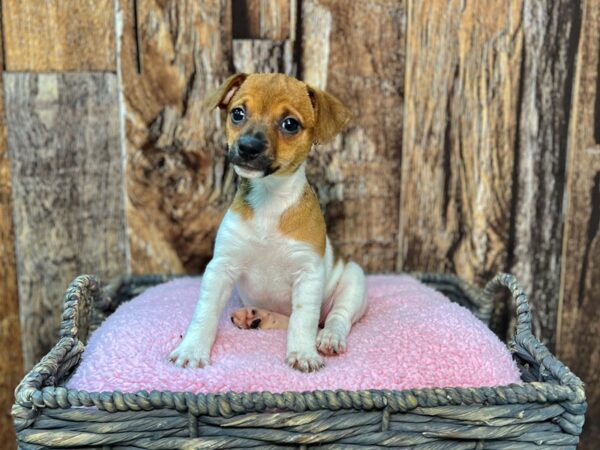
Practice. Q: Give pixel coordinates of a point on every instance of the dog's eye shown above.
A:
(237, 115)
(290, 125)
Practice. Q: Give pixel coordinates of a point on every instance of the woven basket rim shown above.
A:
(34, 391)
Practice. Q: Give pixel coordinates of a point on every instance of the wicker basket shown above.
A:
(546, 411)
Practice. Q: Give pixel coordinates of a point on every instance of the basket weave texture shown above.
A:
(546, 411)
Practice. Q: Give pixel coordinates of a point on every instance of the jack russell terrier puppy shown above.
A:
(272, 243)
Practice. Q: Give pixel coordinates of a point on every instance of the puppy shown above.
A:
(272, 243)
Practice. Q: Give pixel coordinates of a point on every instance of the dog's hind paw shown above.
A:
(250, 318)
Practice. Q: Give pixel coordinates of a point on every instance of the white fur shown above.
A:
(277, 273)
(247, 173)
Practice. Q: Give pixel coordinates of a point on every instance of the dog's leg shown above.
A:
(217, 284)
(307, 295)
(250, 318)
(350, 303)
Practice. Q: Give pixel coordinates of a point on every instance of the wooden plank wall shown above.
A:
(579, 327)
(11, 360)
(551, 35)
(66, 166)
(474, 148)
(178, 182)
(357, 175)
(63, 140)
(458, 146)
(61, 36)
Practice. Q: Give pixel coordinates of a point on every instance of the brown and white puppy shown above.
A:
(272, 243)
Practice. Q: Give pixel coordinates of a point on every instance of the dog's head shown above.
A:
(273, 120)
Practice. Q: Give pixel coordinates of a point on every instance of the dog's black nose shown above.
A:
(251, 145)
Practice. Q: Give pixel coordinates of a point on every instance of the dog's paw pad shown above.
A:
(248, 318)
(305, 362)
(331, 342)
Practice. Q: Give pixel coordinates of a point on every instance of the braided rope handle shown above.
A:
(29, 395)
(524, 337)
(79, 298)
(78, 302)
(508, 281)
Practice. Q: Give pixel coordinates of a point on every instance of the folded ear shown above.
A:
(331, 116)
(222, 95)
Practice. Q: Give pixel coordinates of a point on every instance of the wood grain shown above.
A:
(262, 19)
(66, 164)
(178, 182)
(263, 55)
(356, 176)
(579, 326)
(65, 35)
(551, 32)
(460, 122)
(11, 356)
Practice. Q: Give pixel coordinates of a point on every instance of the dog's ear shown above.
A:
(222, 95)
(331, 116)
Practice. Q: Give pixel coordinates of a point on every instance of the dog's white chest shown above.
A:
(266, 261)
(266, 279)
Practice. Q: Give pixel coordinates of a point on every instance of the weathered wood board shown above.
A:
(460, 123)
(262, 19)
(60, 35)
(178, 182)
(579, 327)
(66, 165)
(551, 33)
(263, 55)
(357, 175)
(11, 361)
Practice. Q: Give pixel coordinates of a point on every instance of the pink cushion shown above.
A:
(411, 337)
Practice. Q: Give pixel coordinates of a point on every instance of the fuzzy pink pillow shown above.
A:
(411, 337)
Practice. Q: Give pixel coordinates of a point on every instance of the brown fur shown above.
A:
(240, 203)
(304, 221)
(337, 257)
(332, 116)
(216, 97)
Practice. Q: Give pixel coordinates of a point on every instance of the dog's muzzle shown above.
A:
(251, 146)
(249, 155)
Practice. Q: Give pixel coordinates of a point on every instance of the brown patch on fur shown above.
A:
(304, 221)
(240, 204)
(332, 116)
(222, 95)
(337, 257)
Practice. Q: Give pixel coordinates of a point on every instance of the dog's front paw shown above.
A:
(331, 342)
(304, 361)
(189, 354)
